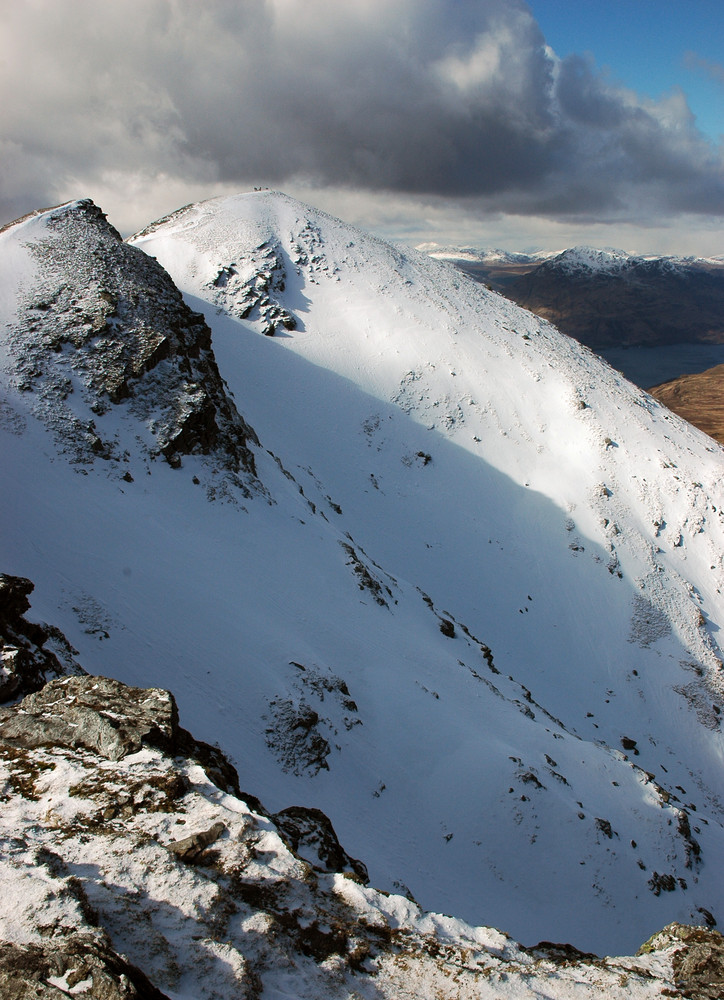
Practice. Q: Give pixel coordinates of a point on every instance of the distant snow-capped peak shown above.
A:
(586, 258)
(487, 255)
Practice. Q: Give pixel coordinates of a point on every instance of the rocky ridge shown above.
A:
(567, 755)
(135, 868)
(102, 324)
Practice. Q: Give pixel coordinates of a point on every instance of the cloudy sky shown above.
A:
(483, 122)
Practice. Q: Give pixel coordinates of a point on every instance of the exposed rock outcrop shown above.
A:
(241, 905)
(112, 720)
(310, 834)
(103, 324)
(29, 653)
(96, 713)
(79, 965)
(697, 960)
(105, 770)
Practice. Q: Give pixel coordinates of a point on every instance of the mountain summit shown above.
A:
(463, 595)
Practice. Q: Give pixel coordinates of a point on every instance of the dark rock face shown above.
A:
(259, 298)
(295, 736)
(310, 834)
(25, 662)
(104, 322)
(32, 970)
(217, 767)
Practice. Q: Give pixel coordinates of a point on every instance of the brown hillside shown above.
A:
(697, 398)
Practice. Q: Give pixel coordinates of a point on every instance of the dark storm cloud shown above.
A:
(442, 97)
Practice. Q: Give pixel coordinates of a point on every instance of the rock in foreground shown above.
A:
(132, 868)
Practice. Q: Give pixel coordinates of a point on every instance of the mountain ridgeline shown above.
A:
(411, 557)
(609, 298)
(103, 323)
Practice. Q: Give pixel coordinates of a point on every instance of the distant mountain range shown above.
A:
(607, 298)
(425, 570)
(654, 318)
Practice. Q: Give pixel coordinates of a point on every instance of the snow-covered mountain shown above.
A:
(431, 567)
(592, 259)
(640, 269)
(492, 256)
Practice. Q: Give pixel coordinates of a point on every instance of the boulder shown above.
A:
(310, 834)
(698, 964)
(97, 713)
(79, 965)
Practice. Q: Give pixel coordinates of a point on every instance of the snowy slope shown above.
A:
(479, 566)
(164, 866)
